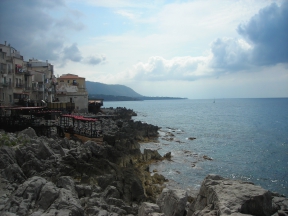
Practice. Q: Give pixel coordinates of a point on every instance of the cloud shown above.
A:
(34, 28)
(230, 54)
(95, 60)
(126, 14)
(72, 53)
(180, 68)
(268, 32)
(69, 24)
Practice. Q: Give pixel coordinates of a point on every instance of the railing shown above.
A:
(27, 73)
(27, 88)
(35, 88)
(41, 88)
(6, 84)
(81, 89)
(19, 71)
(19, 85)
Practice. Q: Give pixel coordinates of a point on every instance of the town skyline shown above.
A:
(194, 49)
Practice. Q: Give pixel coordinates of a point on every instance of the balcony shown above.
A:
(19, 71)
(40, 88)
(6, 84)
(27, 89)
(19, 85)
(27, 73)
(35, 88)
(81, 89)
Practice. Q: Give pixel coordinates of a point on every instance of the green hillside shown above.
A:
(96, 88)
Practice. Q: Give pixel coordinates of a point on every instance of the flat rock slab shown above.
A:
(230, 197)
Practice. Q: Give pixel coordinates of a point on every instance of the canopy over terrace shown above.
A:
(36, 111)
(88, 127)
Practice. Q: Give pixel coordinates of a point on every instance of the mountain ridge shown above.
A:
(117, 92)
(110, 89)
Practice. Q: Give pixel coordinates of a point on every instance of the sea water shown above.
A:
(247, 139)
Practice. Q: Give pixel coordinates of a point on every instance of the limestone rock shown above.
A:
(111, 192)
(225, 197)
(167, 156)
(7, 156)
(280, 206)
(149, 154)
(13, 173)
(30, 132)
(148, 208)
(172, 202)
(83, 190)
(25, 196)
(68, 183)
(48, 195)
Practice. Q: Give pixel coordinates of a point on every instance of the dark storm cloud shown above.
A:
(230, 54)
(268, 31)
(29, 27)
(267, 34)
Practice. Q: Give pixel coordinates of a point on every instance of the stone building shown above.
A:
(72, 88)
(43, 81)
(24, 82)
(12, 76)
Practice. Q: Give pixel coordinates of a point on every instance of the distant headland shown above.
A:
(115, 92)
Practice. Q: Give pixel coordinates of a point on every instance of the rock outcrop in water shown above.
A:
(219, 196)
(54, 176)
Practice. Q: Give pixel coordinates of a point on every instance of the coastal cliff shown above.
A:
(55, 176)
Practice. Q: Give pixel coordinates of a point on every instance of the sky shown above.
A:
(199, 49)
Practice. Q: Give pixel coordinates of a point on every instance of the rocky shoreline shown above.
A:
(55, 176)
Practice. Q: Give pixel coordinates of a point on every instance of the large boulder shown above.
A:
(24, 198)
(7, 156)
(48, 195)
(148, 209)
(30, 132)
(172, 202)
(13, 173)
(150, 154)
(222, 196)
(280, 205)
(68, 183)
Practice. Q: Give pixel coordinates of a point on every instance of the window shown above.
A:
(10, 98)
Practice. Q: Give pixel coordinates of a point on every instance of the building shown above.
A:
(13, 76)
(43, 82)
(32, 83)
(71, 88)
(24, 82)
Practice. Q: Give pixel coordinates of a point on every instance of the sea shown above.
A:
(243, 139)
